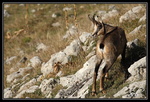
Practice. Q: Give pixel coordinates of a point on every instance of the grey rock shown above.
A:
(110, 15)
(137, 70)
(6, 14)
(133, 44)
(103, 15)
(90, 54)
(133, 90)
(39, 78)
(25, 77)
(111, 7)
(27, 85)
(41, 47)
(59, 74)
(57, 24)
(21, 4)
(134, 13)
(35, 61)
(6, 6)
(8, 93)
(47, 85)
(57, 57)
(79, 82)
(20, 73)
(84, 48)
(32, 89)
(81, 74)
(77, 90)
(138, 29)
(142, 19)
(20, 94)
(33, 10)
(54, 15)
(9, 60)
(73, 48)
(67, 9)
(70, 32)
(85, 36)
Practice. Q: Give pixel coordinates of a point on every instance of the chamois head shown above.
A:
(100, 28)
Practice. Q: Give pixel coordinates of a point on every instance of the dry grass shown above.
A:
(38, 29)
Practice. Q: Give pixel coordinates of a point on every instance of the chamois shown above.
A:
(111, 44)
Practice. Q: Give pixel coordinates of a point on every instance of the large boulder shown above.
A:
(79, 82)
(133, 90)
(73, 48)
(134, 13)
(138, 70)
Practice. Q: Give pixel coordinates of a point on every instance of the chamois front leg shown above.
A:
(95, 77)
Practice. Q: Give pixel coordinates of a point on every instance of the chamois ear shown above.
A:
(102, 31)
(92, 18)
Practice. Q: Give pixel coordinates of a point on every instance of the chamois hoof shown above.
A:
(102, 91)
(93, 93)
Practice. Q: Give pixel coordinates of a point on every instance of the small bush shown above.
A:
(26, 39)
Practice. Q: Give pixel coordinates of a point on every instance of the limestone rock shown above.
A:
(137, 70)
(35, 61)
(138, 29)
(57, 24)
(20, 73)
(9, 60)
(134, 13)
(6, 14)
(27, 85)
(47, 85)
(73, 48)
(41, 47)
(8, 93)
(57, 57)
(133, 44)
(142, 19)
(133, 90)
(70, 32)
(84, 37)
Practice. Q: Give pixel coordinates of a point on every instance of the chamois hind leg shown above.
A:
(95, 76)
(103, 73)
(125, 70)
(123, 55)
